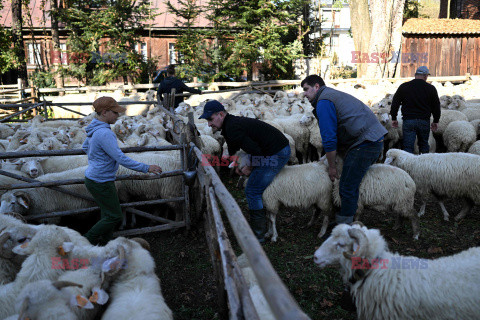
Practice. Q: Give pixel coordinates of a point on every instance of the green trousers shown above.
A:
(105, 195)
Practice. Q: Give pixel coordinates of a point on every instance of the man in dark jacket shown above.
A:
(268, 149)
(171, 82)
(419, 100)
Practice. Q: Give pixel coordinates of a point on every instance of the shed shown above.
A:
(448, 47)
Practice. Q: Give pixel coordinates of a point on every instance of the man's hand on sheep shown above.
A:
(154, 169)
(434, 126)
(395, 123)
(332, 173)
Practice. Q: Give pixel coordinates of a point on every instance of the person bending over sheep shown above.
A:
(269, 150)
(104, 157)
(349, 127)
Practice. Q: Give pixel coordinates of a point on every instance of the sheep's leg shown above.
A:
(323, 230)
(274, 227)
(444, 210)
(270, 223)
(422, 208)
(313, 218)
(415, 225)
(467, 208)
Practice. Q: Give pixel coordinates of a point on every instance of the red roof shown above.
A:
(441, 26)
(163, 20)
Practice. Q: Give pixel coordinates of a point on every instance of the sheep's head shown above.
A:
(31, 166)
(48, 238)
(345, 241)
(16, 201)
(35, 295)
(393, 155)
(14, 236)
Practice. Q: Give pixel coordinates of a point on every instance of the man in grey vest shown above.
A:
(351, 130)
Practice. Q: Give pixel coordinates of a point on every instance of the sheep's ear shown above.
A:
(23, 200)
(23, 249)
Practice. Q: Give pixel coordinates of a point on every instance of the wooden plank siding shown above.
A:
(447, 55)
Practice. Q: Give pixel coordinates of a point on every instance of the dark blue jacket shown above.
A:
(169, 83)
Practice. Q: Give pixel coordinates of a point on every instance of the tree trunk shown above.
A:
(17, 39)
(361, 30)
(57, 57)
(386, 37)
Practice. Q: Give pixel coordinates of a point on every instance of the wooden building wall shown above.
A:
(444, 55)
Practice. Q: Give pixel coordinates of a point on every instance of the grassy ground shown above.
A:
(188, 283)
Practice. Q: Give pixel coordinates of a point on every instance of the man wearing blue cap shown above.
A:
(419, 100)
(269, 151)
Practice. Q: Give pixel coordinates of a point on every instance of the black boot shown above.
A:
(258, 223)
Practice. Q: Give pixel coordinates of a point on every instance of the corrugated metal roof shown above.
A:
(441, 26)
(163, 20)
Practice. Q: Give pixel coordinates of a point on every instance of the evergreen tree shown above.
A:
(8, 59)
(243, 33)
(102, 39)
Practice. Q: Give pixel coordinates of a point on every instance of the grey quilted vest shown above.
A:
(356, 123)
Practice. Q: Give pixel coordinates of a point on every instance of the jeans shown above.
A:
(356, 164)
(416, 128)
(264, 170)
(105, 195)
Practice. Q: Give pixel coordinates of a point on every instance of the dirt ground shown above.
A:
(188, 283)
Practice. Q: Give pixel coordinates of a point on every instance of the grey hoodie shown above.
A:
(104, 155)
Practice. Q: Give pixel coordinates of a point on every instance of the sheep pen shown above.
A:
(189, 285)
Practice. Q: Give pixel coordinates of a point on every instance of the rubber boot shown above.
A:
(258, 223)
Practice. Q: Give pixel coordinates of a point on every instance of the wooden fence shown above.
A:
(234, 299)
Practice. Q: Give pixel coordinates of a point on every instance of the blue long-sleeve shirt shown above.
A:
(104, 155)
(327, 121)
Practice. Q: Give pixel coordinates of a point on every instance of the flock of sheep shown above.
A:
(303, 184)
(50, 272)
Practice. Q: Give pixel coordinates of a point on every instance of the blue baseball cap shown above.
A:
(422, 70)
(210, 108)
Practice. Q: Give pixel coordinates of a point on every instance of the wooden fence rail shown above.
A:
(283, 305)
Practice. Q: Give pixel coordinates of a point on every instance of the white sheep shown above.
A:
(299, 186)
(475, 148)
(300, 134)
(6, 131)
(136, 292)
(41, 200)
(471, 113)
(448, 116)
(459, 136)
(443, 175)
(315, 138)
(43, 300)
(387, 285)
(164, 188)
(385, 188)
(45, 245)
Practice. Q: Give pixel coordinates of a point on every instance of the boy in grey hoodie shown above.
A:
(104, 157)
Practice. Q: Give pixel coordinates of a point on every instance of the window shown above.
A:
(172, 55)
(63, 53)
(141, 49)
(34, 53)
